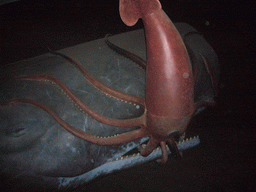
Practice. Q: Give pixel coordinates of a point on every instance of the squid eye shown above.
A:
(173, 134)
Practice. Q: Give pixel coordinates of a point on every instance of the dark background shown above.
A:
(225, 160)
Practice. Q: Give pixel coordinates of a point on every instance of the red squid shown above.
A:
(169, 79)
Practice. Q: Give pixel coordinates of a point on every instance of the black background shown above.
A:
(225, 160)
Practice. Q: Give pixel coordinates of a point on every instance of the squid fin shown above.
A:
(132, 10)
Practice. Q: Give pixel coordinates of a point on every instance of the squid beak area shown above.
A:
(174, 149)
(172, 145)
(151, 149)
(152, 144)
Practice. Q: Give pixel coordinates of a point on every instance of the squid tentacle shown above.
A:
(135, 58)
(99, 85)
(164, 153)
(102, 119)
(112, 140)
(173, 147)
(150, 147)
(134, 122)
